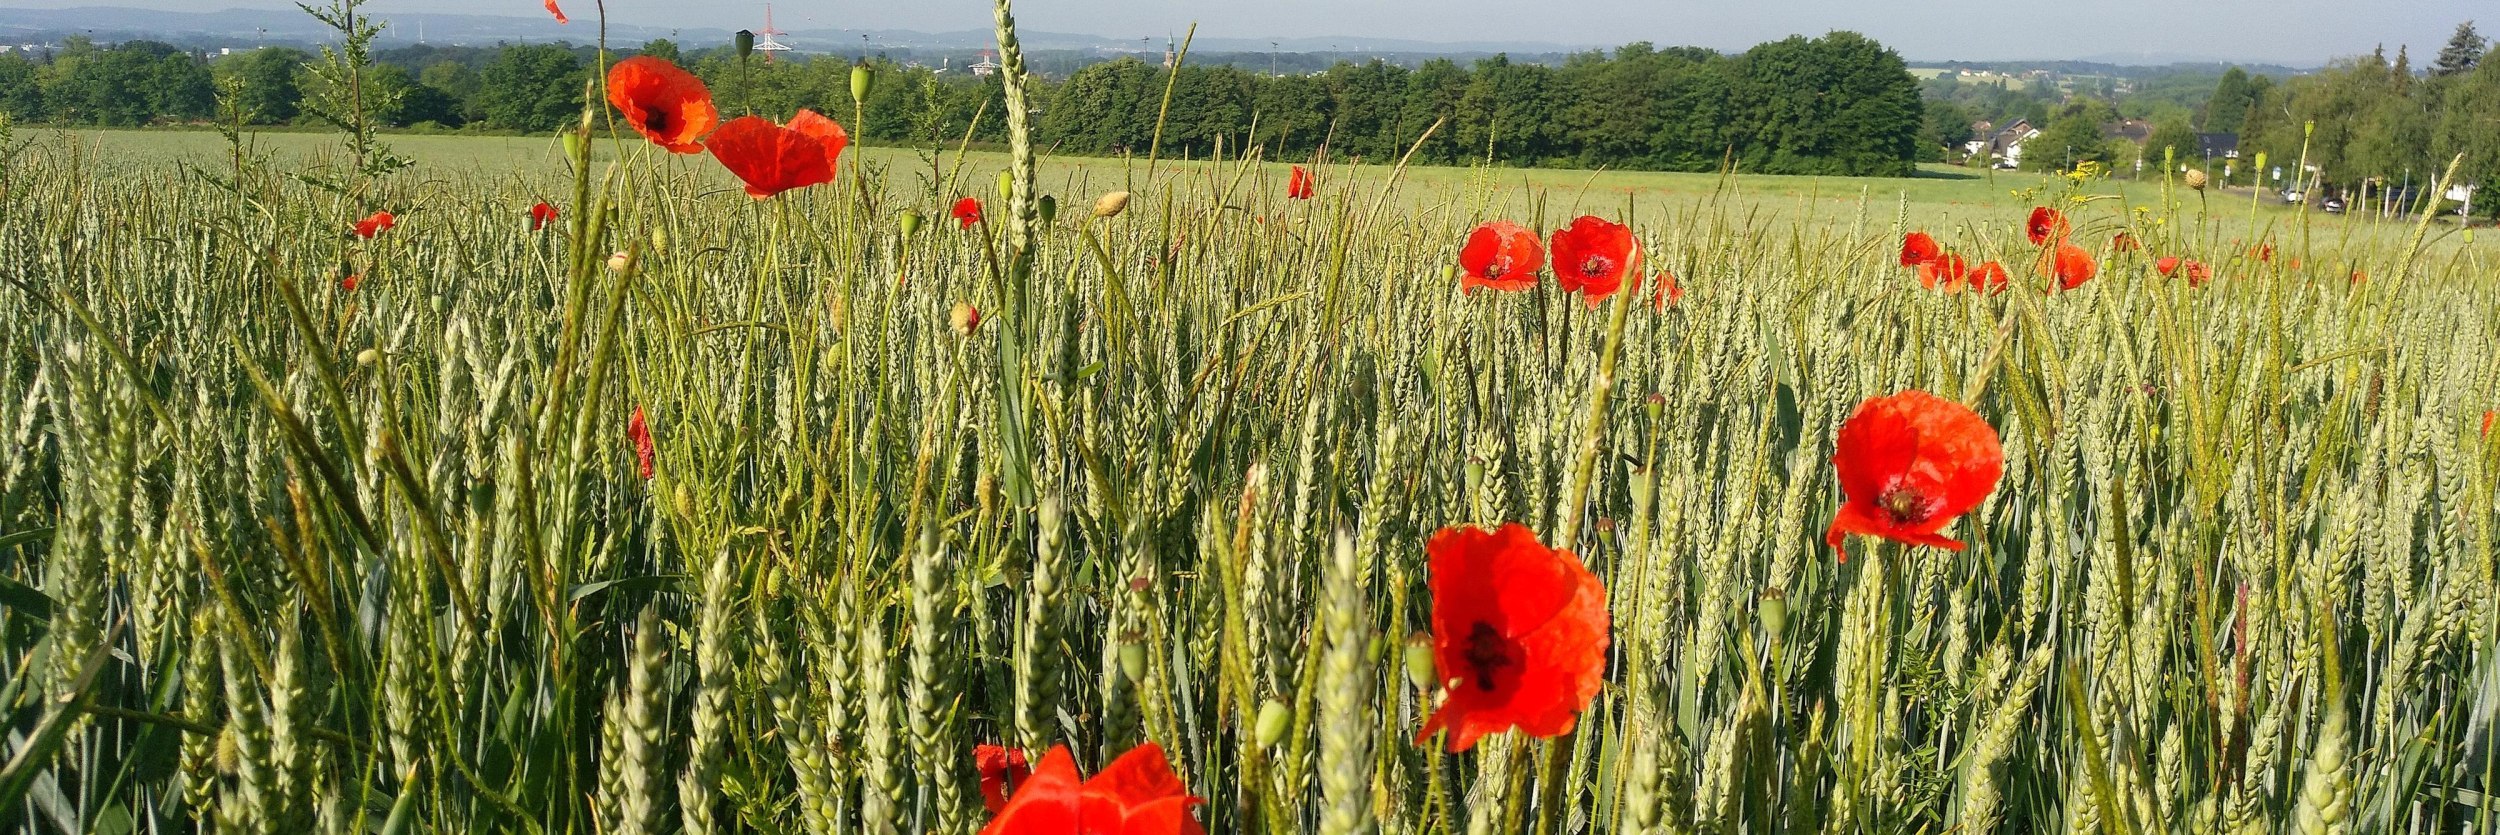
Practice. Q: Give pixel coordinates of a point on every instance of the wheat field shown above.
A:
(281, 551)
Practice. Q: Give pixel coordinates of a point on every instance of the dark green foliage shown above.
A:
(2464, 51)
(2074, 136)
(270, 91)
(532, 87)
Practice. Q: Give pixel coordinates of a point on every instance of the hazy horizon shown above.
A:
(2296, 32)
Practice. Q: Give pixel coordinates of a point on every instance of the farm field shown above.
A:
(527, 490)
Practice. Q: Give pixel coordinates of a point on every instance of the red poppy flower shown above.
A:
(1136, 794)
(1946, 268)
(638, 431)
(1919, 248)
(2359, 277)
(967, 212)
(2197, 274)
(1667, 293)
(559, 13)
(2070, 264)
(1002, 770)
(667, 105)
(1990, 278)
(2262, 252)
(826, 132)
(349, 283)
(770, 158)
(2123, 242)
(375, 224)
(2046, 225)
(1501, 255)
(1592, 255)
(541, 215)
(1519, 631)
(1909, 464)
(2487, 416)
(1299, 186)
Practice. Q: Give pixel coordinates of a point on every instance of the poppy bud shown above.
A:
(618, 262)
(1049, 207)
(368, 357)
(1006, 185)
(1274, 719)
(1774, 613)
(1133, 661)
(746, 44)
(909, 222)
(574, 145)
(2195, 179)
(659, 240)
(1419, 662)
(1474, 475)
(863, 81)
(964, 318)
(685, 500)
(1111, 205)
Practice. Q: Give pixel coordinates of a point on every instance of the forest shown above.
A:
(1840, 104)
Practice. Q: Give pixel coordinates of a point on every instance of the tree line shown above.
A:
(1838, 104)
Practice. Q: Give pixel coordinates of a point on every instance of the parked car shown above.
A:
(2333, 205)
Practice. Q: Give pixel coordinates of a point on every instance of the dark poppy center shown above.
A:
(1905, 506)
(1597, 265)
(1500, 267)
(1488, 652)
(655, 119)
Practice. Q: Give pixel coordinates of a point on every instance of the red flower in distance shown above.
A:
(1592, 256)
(349, 283)
(826, 132)
(1519, 631)
(559, 13)
(1919, 248)
(770, 158)
(638, 431)
(2487, 417)
(2070, 264)
(2046, 225)
(1299, 185)
(1667, 293)
(2262, 252)
(375, 224)
(1909, 464)
(1947, 269)
(1136, 794)
(1990, 278)
(967, 212)
(541, 215)
(1501, 255)
(664, 103)
(2122, 242)
(2196, 272)
(1002, 770)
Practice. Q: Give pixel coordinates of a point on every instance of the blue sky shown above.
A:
(2292, 31)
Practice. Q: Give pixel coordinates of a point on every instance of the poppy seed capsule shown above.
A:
(746, 44)
(1049, 207)
(1006, 185)
(2195, 179)
(1133, 661)
(1274, 719)
(1111, 205)
(909, 222)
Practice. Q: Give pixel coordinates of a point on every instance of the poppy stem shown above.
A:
(1567, 533)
